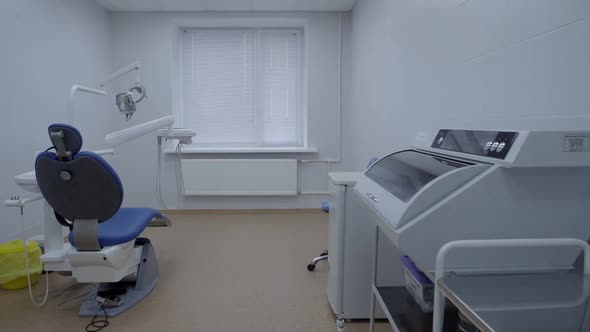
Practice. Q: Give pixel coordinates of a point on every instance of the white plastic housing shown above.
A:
(183, 135)
(128, 134)
(28, 182)
(111, 264)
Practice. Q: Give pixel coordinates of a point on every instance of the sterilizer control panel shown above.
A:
(493, 144)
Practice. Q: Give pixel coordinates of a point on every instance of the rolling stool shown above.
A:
(324, 254)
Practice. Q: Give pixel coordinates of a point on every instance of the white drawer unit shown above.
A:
(350, 251)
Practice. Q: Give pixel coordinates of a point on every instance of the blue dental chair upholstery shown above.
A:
(86, 195)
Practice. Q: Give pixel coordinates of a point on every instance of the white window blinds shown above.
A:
(243, 87)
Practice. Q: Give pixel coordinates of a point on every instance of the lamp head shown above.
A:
(126, 102)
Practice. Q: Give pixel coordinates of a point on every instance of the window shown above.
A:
(242, 87)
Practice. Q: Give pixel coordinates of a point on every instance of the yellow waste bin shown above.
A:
(13, 272)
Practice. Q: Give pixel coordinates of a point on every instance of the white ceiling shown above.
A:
(226, 5)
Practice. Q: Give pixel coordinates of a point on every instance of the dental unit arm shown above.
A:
(123, 71)
(183, 135)
(125, 101)
(73, 90)
(128, 134)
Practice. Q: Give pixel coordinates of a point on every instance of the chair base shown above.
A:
(321, 257)
(123, 295)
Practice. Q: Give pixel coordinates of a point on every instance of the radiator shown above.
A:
(240, 177)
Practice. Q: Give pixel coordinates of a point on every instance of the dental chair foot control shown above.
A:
(109, 301)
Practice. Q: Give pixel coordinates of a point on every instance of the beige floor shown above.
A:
(234, 272)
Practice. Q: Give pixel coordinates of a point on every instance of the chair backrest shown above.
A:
(77, 185)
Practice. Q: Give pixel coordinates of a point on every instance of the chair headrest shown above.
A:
(65, 137)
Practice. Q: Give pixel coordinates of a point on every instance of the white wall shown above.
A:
(47, 46)
(475, 63)
(153, 39)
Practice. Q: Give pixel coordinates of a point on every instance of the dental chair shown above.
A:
(86, 195)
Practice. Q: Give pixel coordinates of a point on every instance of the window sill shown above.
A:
(237, 150)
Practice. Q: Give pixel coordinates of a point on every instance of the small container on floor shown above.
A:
(13, 272)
